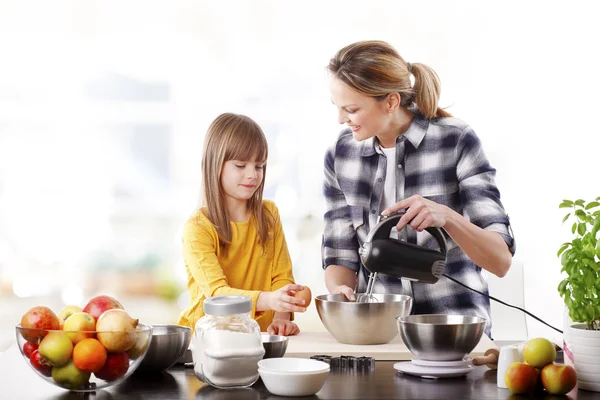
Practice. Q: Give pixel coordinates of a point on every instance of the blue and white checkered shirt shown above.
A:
(440, 159)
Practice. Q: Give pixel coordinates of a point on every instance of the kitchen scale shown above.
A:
(435, 369)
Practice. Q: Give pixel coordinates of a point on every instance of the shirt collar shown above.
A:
(415, 134)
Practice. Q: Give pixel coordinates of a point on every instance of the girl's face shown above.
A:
(240, 179)
(363, 114)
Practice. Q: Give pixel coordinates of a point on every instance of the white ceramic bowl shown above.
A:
(293, 376)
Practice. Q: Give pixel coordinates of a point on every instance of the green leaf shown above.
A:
(579, 202)
(580, 214)
(592, 204)
(562, 248)
(581, 228)
(566, 204)
(566, 217)
(598, 249)
(574, 227)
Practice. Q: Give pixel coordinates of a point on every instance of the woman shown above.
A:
(400, 151)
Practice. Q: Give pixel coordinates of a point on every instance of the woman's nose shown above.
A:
(342, 117)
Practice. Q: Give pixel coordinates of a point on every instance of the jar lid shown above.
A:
(227, 305)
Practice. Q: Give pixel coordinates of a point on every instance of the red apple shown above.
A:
(116, 366)
(559, 378)
(97, 305)
(29, 348)
(521, 378)
(40, 363)
(39, 317)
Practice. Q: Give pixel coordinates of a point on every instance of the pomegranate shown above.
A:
(116, 330)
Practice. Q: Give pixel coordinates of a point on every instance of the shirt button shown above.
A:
(379, 180)
(399, 165)
(373, 211)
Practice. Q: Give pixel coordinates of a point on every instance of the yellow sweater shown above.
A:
(246, 269)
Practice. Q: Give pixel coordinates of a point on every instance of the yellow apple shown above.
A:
(539, 352)
(79, 326)
(66, 312)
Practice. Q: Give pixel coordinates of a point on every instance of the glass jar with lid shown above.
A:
(227, 343)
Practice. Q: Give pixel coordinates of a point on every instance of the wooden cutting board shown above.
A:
(307, 344)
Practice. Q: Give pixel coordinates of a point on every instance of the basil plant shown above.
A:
(580, 259)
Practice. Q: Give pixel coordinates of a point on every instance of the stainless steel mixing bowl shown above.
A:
(440, 337)
(362, 323)
(168, 344)
(275, 345)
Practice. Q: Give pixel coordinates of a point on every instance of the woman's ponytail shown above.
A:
(427, 90)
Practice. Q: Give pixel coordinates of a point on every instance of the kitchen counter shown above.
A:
(19, 381)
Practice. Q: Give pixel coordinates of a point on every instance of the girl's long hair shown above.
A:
(233, 137)
(374, 68)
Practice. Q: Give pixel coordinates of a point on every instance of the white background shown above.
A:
(523, 74)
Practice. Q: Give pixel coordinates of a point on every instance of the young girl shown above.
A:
(235, 244)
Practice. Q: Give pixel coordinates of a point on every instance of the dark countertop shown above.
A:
(18, 381)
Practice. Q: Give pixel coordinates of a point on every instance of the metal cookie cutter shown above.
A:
(348, 363)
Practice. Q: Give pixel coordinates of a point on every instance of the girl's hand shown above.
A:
(346, 291)
(420, 214)
(283, 327)
(283, 300)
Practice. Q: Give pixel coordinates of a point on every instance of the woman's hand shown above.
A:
(346, 291)
(420, 214)
(283, 300)
(283, 327)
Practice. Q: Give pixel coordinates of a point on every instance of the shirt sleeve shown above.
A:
(340, 244)
(478, 192)
(200, 246)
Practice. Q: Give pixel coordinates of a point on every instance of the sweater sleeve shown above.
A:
(200, 247)
(282, 264)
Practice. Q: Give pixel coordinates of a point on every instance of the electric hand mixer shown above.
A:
(398, 258)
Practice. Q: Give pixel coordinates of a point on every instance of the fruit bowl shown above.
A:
(79, 360)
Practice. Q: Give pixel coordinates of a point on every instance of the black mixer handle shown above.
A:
(385, 225)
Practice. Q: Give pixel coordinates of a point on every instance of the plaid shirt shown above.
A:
(440, 159)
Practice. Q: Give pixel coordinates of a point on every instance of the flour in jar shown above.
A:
(227, 359)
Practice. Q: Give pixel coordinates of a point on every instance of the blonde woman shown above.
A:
(400, 151)
(234, 244)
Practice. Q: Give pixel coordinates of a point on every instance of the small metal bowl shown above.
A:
(275, 345)
(440, 337)
(168, 344)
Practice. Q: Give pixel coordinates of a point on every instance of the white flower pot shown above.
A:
(584, 348)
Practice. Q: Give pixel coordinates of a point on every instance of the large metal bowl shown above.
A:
(362, 323)
(441, 337)
(168, 344)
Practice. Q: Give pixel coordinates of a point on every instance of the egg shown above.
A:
(304, 294)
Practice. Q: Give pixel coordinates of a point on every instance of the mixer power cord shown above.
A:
(506, 304)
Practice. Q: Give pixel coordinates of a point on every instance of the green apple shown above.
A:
(79, 326)
(140, 346)
(69, 377)
(56, 347)
(66, 313)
